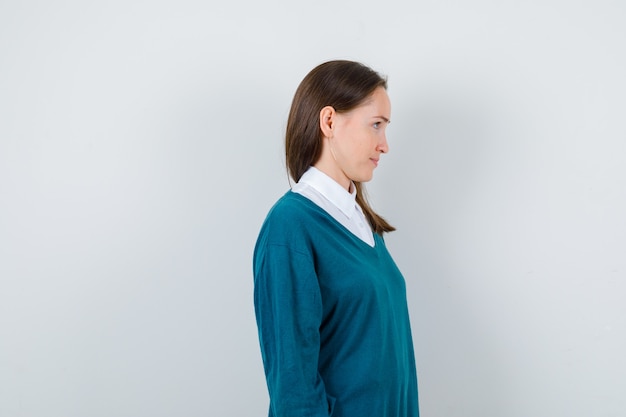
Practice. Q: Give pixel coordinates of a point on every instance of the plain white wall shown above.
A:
(141, 147)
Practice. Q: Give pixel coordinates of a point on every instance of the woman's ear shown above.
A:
(327, 115)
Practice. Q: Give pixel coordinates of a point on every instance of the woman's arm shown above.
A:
(289, 312)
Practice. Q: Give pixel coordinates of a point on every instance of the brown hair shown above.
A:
(343, 85)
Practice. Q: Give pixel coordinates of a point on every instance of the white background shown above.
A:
(141, 147)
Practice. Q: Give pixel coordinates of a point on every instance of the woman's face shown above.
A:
(358, 138)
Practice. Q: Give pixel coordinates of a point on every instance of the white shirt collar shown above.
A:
(329, 188)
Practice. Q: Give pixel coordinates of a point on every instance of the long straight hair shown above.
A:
(344, 85)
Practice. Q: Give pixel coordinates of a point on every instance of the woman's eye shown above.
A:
(376, 125)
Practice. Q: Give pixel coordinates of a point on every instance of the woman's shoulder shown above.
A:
(292, 208)
(291, 219)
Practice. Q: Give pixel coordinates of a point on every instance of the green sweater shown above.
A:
(332, 318)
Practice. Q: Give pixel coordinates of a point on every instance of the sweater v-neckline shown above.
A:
(336, 222)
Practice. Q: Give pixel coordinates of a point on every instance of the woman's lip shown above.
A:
(375, 161)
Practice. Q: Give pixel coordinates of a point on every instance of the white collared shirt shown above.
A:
(336, 201)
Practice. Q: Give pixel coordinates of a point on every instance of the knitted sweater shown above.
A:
(332, 318)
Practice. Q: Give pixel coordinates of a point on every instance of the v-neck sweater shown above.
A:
(332, 318)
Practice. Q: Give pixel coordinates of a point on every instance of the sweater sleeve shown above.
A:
(288, 310)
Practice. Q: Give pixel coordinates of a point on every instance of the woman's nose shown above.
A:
(383, 146)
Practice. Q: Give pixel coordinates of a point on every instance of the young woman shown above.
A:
(330, 302)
